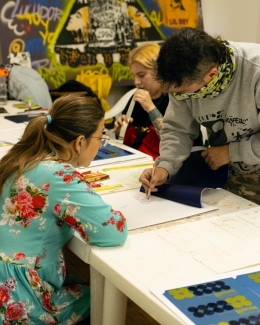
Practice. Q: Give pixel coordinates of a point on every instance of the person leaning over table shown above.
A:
(214, 83)
(150, 98)
(43, 201)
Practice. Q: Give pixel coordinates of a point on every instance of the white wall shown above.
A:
(234, 20)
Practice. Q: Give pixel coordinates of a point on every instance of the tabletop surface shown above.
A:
(181, 251)
(11, 109)
(230, 234)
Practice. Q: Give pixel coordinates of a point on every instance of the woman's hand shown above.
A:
(119, 122)
(150, 178)
(143, 97)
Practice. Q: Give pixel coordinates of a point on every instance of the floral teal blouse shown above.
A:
(38, 215)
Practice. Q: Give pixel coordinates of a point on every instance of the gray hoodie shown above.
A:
(231, 117)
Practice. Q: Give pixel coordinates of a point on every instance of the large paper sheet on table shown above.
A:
(121, 178)
(141, 212)
(228, 243)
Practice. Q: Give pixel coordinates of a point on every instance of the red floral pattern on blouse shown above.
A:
(25, 203)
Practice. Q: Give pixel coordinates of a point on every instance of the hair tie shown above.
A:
(49, 119)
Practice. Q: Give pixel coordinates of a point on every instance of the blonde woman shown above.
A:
(43, 201)
(150, 99)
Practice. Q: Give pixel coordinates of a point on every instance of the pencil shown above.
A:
(149, 189)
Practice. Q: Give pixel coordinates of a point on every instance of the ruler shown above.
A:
(127, 167)
(107, 187)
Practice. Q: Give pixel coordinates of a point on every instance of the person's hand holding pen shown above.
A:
(152, 177)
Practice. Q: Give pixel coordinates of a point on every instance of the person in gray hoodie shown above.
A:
(214, 83)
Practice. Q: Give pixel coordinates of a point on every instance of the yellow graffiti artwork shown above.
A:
(179, 14)
(17, 45)
(100, 82)
(156, 17)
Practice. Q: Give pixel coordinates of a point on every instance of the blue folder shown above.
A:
(192, 179)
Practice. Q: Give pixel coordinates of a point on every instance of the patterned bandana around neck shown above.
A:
(219, 83)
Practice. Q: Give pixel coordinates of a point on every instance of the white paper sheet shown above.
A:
(141, 212)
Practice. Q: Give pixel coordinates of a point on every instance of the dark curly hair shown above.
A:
(187, 55)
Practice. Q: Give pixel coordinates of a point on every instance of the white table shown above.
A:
(10, 131)
(148, 260)
(10, 109)
(6, 125)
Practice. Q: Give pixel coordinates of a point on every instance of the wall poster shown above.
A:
(89, 40)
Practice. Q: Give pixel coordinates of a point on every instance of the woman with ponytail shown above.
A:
(43, 201)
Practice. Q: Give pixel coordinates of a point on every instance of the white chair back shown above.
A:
(120, 105)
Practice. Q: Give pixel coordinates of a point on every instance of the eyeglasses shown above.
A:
(104, 139)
